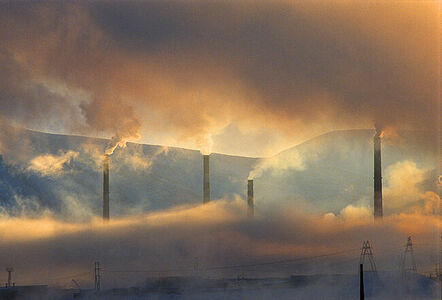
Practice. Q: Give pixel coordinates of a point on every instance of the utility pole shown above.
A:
(97, 276)
(9, 270)
(367, 252)
(361, 282)
(408, 252)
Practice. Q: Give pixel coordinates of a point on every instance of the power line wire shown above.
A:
(234, 266)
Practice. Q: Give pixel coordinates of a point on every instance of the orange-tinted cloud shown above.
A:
(192, 69)
(215, 234)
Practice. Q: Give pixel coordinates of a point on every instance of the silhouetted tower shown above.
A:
(106, 187)
(408, 262)
(377, 205)
(9, 270)
(361, 282)
(367, 252)
(206, 179)
(250, 199)
(97, 276)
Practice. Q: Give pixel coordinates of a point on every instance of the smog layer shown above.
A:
(289, 94)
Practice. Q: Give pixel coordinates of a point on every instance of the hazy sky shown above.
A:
(237, 77)
(209, 236)
(251, 77)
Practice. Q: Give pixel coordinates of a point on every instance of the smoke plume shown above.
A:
(49, 164)
(175, 72)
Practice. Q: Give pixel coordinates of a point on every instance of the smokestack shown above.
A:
(378, 211)
(106, 187)
(206, 180)
(250, 199)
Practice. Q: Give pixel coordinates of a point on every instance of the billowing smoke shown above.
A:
(75, 89)
(189, 69)
(289, 160)
(279, 164)
(119, 141)
(186, 71)
(205, 144)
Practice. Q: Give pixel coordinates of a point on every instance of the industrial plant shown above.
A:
(216, 150)
(369, 281)
(377, 182)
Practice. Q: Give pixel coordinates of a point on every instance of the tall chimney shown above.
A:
(378, 211)
(250, 199)
(106, 187)
(206, 180)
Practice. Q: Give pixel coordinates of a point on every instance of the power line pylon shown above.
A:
(367, 252)
(97, 276)
(9, 270)
(76, 284)
(408, 253)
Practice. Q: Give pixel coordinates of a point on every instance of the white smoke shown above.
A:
(205, 144)
(51, 165)
(285, 161)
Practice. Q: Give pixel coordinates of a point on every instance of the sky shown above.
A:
(249, 78)
(238, 77)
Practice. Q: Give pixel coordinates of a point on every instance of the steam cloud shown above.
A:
(292, 160)
(172, 239)
(51, 164)
(206, 144)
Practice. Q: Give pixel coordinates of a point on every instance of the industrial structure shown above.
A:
(106, 187)
(97, 276)
(250, 199)
(361, 282)
(367, 253)
(9, 270)
(377, 207)
(206, 179)
(408, 265)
